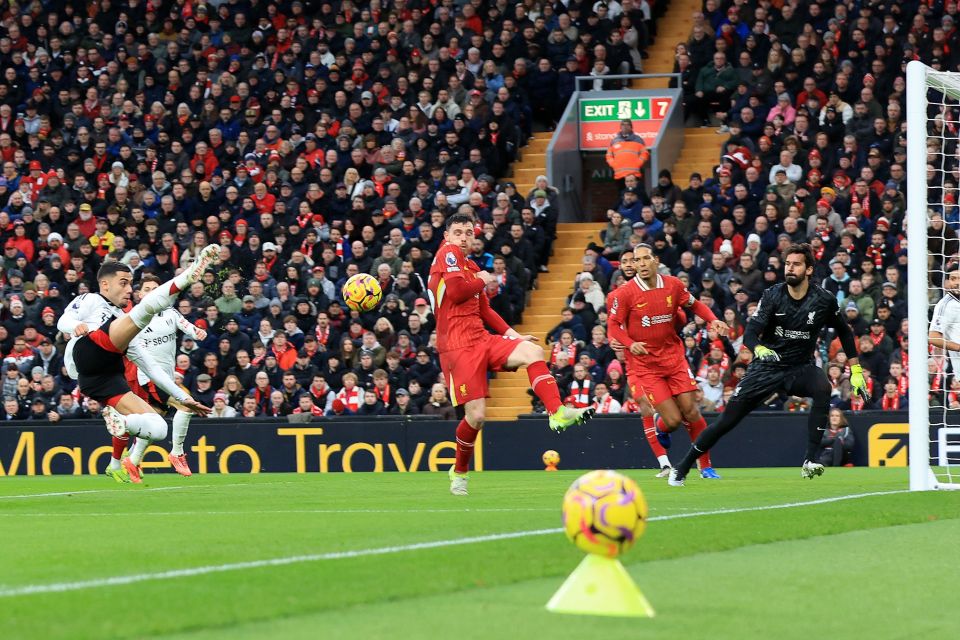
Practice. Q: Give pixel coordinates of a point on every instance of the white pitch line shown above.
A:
(282, 511)
(259, 512)
(61, 587)
(125, 491)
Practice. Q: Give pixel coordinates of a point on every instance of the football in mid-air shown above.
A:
(362, 292)
(551, 458)
(604, 513)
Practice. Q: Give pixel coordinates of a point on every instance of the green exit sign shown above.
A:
(600, 118)
(599, 110)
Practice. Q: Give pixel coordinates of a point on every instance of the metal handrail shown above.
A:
(624, 76)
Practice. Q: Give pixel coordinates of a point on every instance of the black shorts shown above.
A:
(100, 366)
(762, 380)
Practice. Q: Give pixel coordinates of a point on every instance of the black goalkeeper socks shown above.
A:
(690, 459)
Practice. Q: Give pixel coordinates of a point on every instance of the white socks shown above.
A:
(152, 427)
(136, 454)
(147, 426)
(153, 303)
(664, 461)
(181, 422)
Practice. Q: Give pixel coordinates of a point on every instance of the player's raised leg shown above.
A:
(695, 425)
(125, 328)
(530, 355)
(467, 432)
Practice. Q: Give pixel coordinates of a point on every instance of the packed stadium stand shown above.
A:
(314, 140)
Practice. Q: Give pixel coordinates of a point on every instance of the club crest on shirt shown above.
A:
(810, 317)
(669, 301)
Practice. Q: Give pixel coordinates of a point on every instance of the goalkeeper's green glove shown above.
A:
(858, 383)
(765, 354)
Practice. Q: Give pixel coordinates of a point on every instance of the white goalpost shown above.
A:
(934, 441)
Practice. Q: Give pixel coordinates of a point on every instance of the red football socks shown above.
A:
(650, 433)
(119, 444)
(694, 430)
(545, 386)
(466, 437)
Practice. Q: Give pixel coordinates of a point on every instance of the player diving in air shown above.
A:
(159, 338)
(642, 314)
(783, 333)
(101, 333)
(468, 351)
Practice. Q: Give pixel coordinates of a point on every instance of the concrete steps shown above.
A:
(508, 390)
(701, 151)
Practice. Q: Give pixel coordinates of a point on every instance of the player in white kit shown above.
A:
(159, 338)
(945, 324)
(95, 354)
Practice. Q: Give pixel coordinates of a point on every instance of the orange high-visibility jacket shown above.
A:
(626, 157)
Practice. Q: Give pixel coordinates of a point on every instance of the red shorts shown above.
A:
(465, 370)
(659, 386)
(149, 392)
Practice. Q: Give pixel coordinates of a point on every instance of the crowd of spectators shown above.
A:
(811, 99)
(312, 140)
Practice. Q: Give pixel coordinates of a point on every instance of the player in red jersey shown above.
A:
(647, 412)
(468, 351)
(641, 317)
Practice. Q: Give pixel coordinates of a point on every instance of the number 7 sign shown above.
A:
(659, 107)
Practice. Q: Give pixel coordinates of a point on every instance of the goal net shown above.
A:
(933, 274)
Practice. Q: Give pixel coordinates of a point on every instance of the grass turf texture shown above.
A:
(866, 567)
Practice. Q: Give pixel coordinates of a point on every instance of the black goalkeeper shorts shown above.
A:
(763, 379)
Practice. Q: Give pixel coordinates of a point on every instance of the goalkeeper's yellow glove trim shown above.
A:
(858, 383)
(765, 354)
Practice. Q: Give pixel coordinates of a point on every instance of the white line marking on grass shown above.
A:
(61, 587)
(138, 514)
(769, 507)
(259, 512)
(122, 491)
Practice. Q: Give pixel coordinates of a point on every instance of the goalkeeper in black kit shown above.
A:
(783, 334)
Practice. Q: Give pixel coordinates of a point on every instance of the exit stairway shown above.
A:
(701, 151)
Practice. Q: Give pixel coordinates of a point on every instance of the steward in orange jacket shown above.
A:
(627, 154)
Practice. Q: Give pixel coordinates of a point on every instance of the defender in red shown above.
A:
(468, 351)
(641, 317)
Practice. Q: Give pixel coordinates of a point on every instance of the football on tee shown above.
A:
(604, 513)
(362, 292)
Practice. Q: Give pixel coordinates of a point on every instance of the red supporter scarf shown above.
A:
(903, 385)
(581, 392)
(350, 399)
(604, 406)
(890, 404)
(322, 335)
(571, 351)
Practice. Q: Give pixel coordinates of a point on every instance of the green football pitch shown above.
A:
(760, 554)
